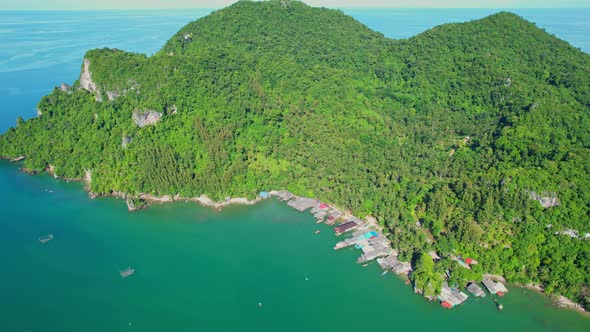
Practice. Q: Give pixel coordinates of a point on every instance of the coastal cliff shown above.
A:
(86, 82)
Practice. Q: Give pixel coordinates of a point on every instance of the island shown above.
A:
(464, 151)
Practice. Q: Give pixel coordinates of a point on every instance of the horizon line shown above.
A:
(217, 8)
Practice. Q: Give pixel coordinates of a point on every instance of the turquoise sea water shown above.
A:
(199, 269)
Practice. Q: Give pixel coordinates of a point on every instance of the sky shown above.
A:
(153, 4)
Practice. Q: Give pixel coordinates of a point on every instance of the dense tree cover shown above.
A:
(425, 277)
(277, 94)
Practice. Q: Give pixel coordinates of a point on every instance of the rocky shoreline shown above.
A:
(558, 301)
(563, 302)
(142, 200)
(203, 200)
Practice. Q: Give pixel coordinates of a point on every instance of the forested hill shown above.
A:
(462, 130)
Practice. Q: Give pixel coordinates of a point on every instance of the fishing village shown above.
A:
(368, 237)
(365, 235)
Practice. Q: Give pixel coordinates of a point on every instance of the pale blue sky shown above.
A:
(150, 4)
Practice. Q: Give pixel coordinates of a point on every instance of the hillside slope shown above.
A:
(459, 129)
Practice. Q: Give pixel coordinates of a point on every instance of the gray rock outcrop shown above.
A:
(65, 88)
(86, 78)
(111, 95)
(547, 199)
(130, 204)
(126, 140)
(574, 234)
(86, 82)
(146, 117)
(570, 232)
(87, 176)
(172, 109)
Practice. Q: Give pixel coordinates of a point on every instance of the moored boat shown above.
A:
(127, 272)
(46, 238)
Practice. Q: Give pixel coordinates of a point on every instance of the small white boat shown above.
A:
(127, 272)
(46, 238)
(384, 273)
(318, 231)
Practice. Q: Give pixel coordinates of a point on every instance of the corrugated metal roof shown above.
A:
(344, 227)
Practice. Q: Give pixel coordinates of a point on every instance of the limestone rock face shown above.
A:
(86, 81)
(547, 199)
(65, 88)
(130, 204)
(111, 95)
(172, 109)
(86, 78)
(125, 141)
(570, 232)
(88, 176)
(146, 117)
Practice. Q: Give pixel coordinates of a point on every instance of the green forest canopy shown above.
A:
(452, 128)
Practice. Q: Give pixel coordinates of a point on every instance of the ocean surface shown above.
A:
(198, 269)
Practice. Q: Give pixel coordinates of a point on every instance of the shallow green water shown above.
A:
(202, 270)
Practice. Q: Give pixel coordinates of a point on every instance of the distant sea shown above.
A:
(198, 269)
